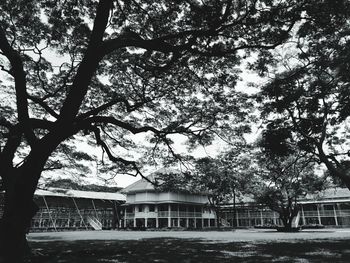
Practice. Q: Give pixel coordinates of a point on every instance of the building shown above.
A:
(62, 209)
(146, 207)
(330, 208)
(142, 206)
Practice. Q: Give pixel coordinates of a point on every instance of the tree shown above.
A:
(283, 179)
(223, 179)
(109, 69)
(309, 98)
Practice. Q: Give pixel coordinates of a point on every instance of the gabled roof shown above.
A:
(144, 185)
(59, 192)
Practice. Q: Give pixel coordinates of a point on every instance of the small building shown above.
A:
(146, 207)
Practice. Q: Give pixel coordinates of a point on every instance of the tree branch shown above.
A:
(88, 65)
(18, 73)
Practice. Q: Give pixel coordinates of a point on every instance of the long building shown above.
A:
(330, 208)
(140, 206)
(63, 210)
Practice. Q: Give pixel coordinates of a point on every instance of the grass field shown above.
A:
(184, 249)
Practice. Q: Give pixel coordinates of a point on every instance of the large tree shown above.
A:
(308, 96)
(282, 179)
(107, 69)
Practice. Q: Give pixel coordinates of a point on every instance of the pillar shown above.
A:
(303, 215)
(125, 218)
(318, 214)
(169, 215)
(335, 215)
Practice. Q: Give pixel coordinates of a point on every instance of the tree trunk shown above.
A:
(19, 208)
(234, 223)
(336, 170)
(218, 217)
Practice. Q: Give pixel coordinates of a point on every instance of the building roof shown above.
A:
(328, 195)
(59, 192)
(144, 185)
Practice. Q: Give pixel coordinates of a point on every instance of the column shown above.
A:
(194, 218)
(249, 218)
(335, 215)
(187, 220)
(134, 216)
(318, 214)
(125, 217)
(303, 215)
(169, 215)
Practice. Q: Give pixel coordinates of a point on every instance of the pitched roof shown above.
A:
(80, 194)
(144, 185)
(329, 194)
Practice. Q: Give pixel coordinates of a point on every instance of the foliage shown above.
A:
(174, 181)
(309, 98)
(283, 180)
(110, 70)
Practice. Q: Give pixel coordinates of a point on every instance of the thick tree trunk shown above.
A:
(19, 208)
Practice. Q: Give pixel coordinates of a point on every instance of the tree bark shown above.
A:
(19, 208)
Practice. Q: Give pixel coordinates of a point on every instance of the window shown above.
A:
(151, 208)
(140, 208)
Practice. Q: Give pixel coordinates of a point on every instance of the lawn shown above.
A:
(191, 250)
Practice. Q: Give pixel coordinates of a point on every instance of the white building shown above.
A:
(146, 207)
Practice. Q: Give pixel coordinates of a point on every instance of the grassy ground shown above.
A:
(191, 250)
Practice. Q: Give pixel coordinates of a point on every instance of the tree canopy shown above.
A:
(110, 69)
(307, 97)
(281, 180)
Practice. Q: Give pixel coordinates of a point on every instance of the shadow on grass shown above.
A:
(181, 250)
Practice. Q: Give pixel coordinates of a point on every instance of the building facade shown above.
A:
(141, 206)
(64, 210)
(147, 208)
(330, 208)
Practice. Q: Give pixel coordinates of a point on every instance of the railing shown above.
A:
(129, 215)
(263, 214)
(343, 213)
(176, 214)
(327, 213)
